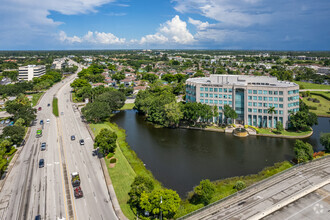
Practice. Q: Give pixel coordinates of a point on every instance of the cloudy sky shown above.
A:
(165, 24)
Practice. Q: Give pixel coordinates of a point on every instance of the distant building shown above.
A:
(31, 71)
(249, 96)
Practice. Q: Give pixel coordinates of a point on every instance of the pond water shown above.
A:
(181, 158)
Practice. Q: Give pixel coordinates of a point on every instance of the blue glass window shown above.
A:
(215, 101)
(260, 98)
(211, 101)
(202, 94)
(215, 89)
(265, 92)
(206, 89)
(225, 102)
(206, 101)
(255, 91)
(259, 91)
(270, 92)
(255, 110)
(250, 110)
(280, 92)
(275, 99)
(211, 89)
(255, 104)
(265, 98)
(250, 91)
(249, 97)
(202, 89)
(211, 95)
(270, 99)
(249, 103)
(202, 100)
(259, 104)
(254, 97)
(220, 90)
(224, 90)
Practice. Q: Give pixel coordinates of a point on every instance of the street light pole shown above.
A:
(161, 201)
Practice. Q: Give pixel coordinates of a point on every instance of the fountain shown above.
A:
(241, 132)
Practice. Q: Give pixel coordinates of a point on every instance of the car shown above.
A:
(82, 142)
(48, 104)
(41, 163)
(73, 137)
(62, 113)
(7, 121)
(43, 146)
(38, 217)
(39, 109)
(48, 120)
(41, 122)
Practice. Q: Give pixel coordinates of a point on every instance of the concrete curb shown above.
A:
(286, 202)
(285, 136)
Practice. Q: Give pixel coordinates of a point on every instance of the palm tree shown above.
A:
(271, 111)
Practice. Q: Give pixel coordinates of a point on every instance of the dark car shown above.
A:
(41, 122)
(41, 163)
(73, 138)
(39, 109)
(38, 217)
(48, 104)
(43, 146)
(82, 142)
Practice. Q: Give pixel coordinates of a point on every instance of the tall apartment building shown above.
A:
(31, 71)
(249, 96)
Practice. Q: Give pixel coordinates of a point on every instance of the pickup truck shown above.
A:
(75, 179)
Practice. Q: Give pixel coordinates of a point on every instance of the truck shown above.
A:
(75, 179)
(78, 193)
(39, 133)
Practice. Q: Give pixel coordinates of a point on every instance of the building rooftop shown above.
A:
(242, 80)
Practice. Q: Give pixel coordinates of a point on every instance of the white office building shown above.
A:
(249, 96)
(31, 71)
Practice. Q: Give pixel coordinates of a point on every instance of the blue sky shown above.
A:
(165, 24)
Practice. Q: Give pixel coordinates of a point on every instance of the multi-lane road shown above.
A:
(30, 191)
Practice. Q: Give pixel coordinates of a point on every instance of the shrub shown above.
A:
(113, 160)
(319, 154)
(203, 192)
(239, 185)
(312, 107)
(110, 155)
(316, 101)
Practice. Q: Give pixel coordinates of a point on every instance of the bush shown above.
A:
(319, 154)
(110, 155)
(316, 101)
(303, 151)
(255, 128)
(113, 160)
(239, 185)
(312, 107)
(203, 192)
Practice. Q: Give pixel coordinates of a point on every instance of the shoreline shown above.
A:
(262, 135)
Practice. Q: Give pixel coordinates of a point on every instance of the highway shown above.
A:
(270, 195)
(30, 191)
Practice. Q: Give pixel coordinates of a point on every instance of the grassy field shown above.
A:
(36, 97)
(127, 167)
(128, 106)
(323, 108)
(285, 132)
(312, 85)
(55, 106)
(225, 187)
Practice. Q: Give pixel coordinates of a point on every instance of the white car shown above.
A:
(48, 120)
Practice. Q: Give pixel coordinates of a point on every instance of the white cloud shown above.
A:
(199, 24)
(239, 12)
(93, 38)
(172, 31)
(27, 21)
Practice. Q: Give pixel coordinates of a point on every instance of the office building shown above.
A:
(250, 96)
(31, 71)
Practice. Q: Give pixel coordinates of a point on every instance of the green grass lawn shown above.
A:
(55, 106)
(127, 167)
(323, 108)
(285, 132)
(36, 97)
(128, 106)
(312, 85)
(225, 187)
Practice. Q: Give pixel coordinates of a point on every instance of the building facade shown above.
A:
(31, 71)
(250, 96)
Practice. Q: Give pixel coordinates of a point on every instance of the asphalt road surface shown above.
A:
(30, 191)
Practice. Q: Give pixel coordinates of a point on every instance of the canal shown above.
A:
(181, 158)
